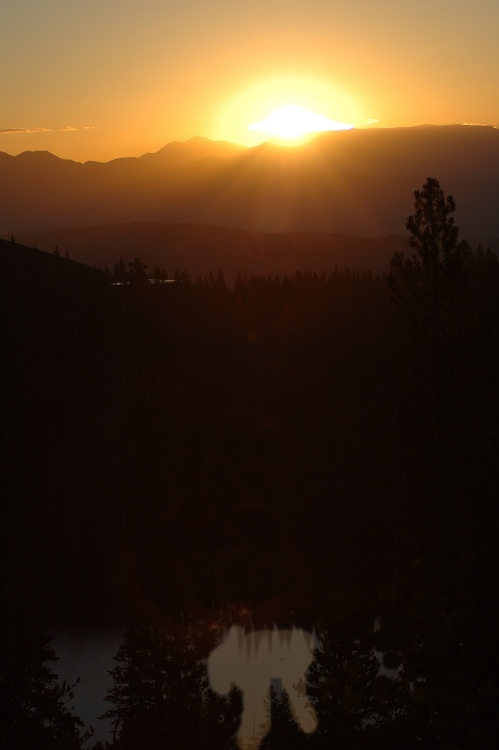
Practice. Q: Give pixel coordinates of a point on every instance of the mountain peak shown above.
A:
(359, 181)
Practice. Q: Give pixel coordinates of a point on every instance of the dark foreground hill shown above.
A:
(23, 264)
(351, 182)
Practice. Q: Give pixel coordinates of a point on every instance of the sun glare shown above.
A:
(292, 122)
(282, 107)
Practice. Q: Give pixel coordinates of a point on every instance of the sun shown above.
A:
(292, 122)
(283, 106)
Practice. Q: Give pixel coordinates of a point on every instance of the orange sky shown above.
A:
(100, 80)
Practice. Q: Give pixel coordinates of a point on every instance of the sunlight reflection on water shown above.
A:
(255, 660)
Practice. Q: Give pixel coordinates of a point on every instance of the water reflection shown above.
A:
(253, 662)
(89, 657)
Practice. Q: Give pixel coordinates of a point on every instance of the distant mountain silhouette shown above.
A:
(350, 182)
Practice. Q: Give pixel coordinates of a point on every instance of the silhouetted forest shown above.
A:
(317, 449)
(204, 248)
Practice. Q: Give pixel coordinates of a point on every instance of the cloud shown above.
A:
(372, 121)
(483, 124)
(25, 130)
(68, 128)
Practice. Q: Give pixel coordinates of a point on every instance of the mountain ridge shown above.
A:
(358, 182)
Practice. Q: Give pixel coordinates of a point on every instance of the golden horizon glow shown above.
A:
(90, 84)
(293, 122)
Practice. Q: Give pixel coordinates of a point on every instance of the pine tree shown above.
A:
(427, 287)
(35, 712)
(137, 274)
(284, 731)
(120, 274)
(161, 698)
(424, 280)
(340, 679)
(129, 695)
